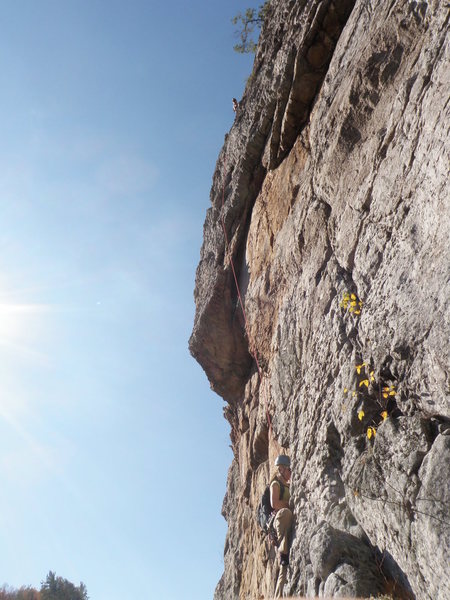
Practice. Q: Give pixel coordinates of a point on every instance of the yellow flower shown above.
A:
(384, 415)
(364, 382)
(389, 391)
(345, 390)
(352, 303)
(345, 300)
(371, 431)
(361, 414)
(372, 378)
(359, 367)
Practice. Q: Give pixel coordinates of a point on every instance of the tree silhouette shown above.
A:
(57, 588)
(249, 20)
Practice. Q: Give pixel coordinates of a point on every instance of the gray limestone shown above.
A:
(334, 179)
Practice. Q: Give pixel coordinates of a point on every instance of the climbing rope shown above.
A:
(229, 255)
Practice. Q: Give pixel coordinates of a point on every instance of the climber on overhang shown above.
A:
(282, 520)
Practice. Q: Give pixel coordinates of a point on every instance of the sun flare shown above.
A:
(21, 329)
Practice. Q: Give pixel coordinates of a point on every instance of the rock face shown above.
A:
(332, 191)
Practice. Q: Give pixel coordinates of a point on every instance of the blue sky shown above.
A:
(114, 451)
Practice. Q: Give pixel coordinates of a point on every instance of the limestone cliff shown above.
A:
(333, 189)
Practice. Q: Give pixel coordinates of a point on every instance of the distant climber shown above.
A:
(235, 105)
(282, 520)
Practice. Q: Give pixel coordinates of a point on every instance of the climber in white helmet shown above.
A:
(282, 521)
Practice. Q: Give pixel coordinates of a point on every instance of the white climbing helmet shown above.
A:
(283, 461)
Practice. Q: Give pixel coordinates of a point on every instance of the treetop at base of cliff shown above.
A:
(53, 588)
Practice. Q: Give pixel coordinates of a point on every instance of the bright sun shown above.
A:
(21, 328)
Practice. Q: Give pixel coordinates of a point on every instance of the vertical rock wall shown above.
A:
(334, 184)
